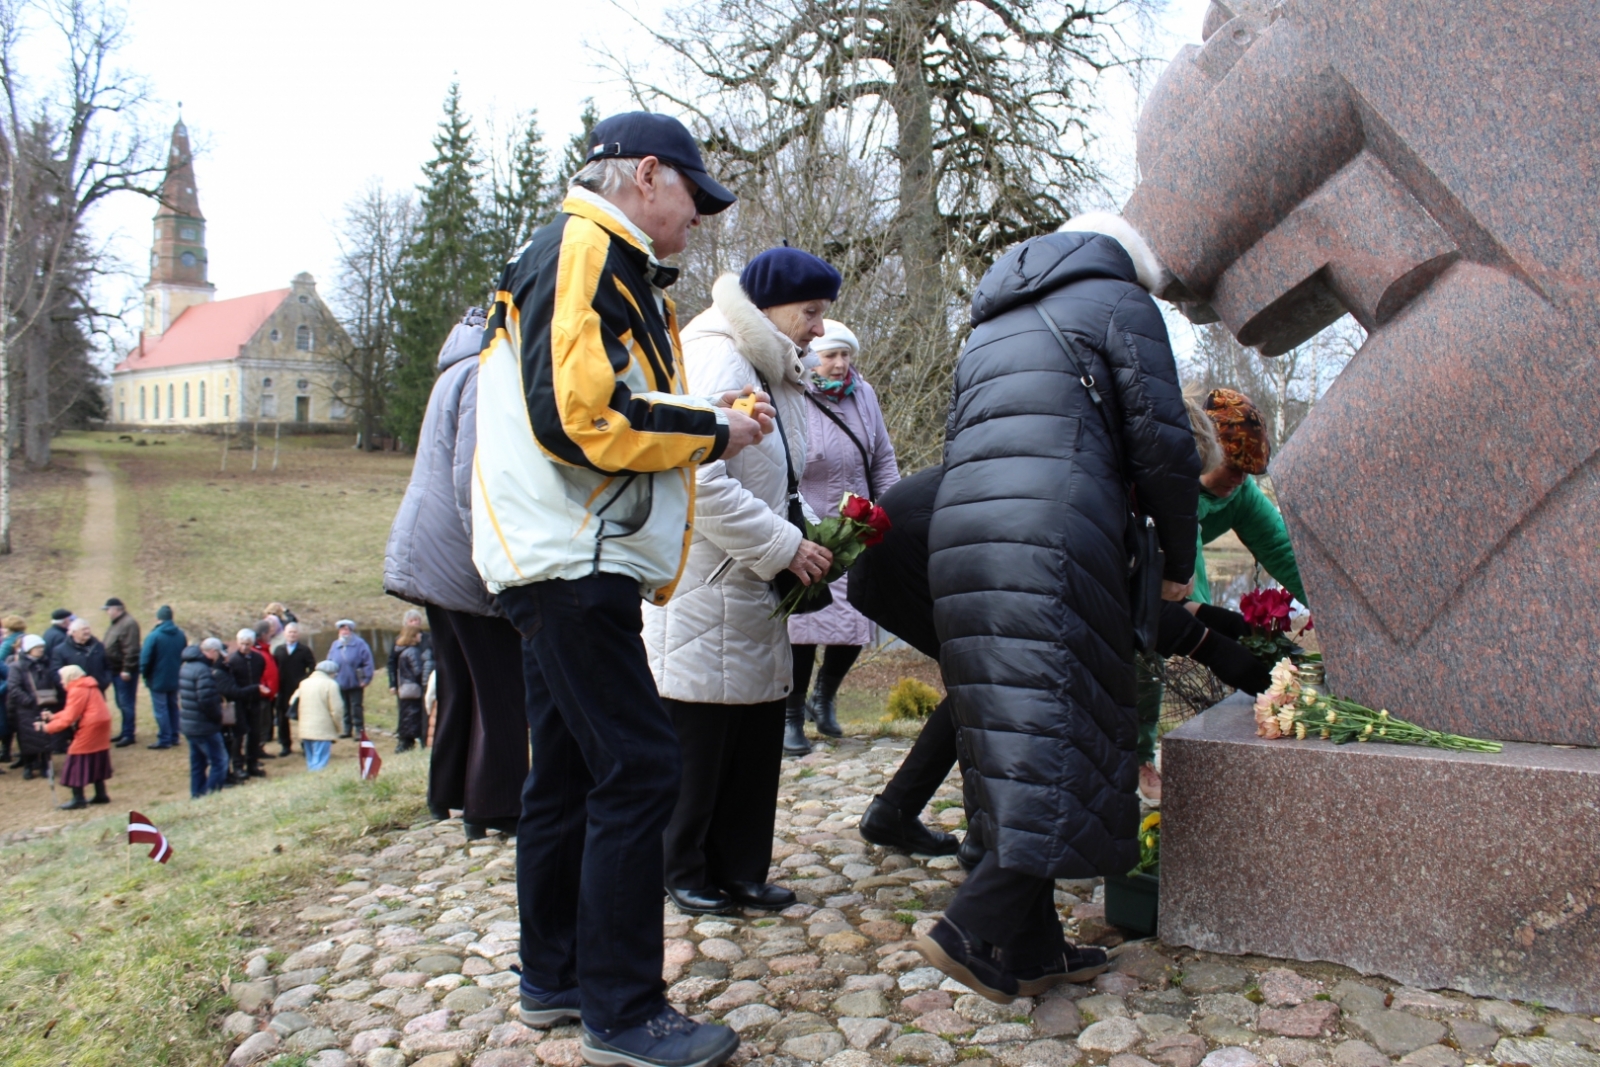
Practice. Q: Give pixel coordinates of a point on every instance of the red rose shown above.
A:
(1267, 609)
(855, 508)
(871, 537)
(878, 519)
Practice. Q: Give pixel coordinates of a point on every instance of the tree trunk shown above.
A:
(36, 401)
(919, 227)
(6, 429)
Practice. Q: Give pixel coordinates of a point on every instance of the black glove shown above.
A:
(1225, 622)
(1233, 663)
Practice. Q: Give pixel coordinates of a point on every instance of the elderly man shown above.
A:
(122, 660)
(203, 684)
(250, 669)
(586, 450)
(356, 668)
(82, 649)
(295, 661)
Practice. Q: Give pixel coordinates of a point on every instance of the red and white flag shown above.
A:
(140, 832)
(367, 756)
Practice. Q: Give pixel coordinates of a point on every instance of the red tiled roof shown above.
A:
(206, 333)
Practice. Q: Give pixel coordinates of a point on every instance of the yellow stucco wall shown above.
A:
(207, 393)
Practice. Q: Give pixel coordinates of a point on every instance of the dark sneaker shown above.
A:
(1076, 964)
(884, 824)
(668, 1040)
(551, 1009)
(973, 963)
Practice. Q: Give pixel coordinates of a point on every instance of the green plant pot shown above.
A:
(1131, 902)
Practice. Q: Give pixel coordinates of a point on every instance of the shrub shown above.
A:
(911, 699)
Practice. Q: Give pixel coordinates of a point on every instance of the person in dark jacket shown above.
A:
(295, 662)
(33, 688)
(56, 632)
(159, 663)
(1027, 566)
(122, 660)
(424, 643)
(82, 649)
(411, 676)
(203, 684)
(356, 668)
(248, 667)
(480, 741)
(261, 728)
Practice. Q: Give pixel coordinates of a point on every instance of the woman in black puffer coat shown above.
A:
(1028, 572)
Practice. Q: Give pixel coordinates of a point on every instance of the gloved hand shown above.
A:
(1225, 622)
(1233, 663)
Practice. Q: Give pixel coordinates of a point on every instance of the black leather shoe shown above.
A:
(708, 901)
(257, 772)
(759, 895)
(885, 825)
(74, 804)
(123, 742)
(970, 854)
(157, 746)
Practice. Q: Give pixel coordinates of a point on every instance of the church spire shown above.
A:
(178, 262)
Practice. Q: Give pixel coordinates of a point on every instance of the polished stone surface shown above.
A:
(1427, 166)
(1466, 871)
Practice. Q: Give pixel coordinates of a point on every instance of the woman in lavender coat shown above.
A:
(847, 451)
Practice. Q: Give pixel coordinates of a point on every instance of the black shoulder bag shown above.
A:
(1146, 561)
(787, 580)
(866, 460)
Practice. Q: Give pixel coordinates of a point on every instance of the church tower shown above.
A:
(178, 253)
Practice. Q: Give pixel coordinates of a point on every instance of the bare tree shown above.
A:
(376, 231)
(63, 148)
(918, 138)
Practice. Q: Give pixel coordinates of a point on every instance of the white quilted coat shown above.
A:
(714, 642)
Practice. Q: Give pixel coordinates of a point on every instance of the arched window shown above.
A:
(302, 338)
(155, 402)
(171, 413)
(186, 400)
(141, 404)
(227, 405)
(275, 335)
(202, 399)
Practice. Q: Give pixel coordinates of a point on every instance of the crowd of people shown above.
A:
(604, 505)
(227, 701)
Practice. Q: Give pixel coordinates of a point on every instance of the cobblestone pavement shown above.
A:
(408, 963)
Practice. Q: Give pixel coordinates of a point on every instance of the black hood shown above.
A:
(1043, 264)
(192, 653)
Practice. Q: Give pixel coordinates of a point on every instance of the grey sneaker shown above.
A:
(668, 1040)
(552, 1009)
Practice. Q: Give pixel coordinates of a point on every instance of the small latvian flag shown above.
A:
(140, 832)
(367, 756)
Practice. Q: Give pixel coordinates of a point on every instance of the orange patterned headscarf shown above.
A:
(1240, 431)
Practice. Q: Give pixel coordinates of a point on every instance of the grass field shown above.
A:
(111, 961)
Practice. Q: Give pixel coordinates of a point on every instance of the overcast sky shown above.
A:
(295, 105)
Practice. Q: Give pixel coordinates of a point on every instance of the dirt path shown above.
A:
(91, 579)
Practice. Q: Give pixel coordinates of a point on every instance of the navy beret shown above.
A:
(788, 276)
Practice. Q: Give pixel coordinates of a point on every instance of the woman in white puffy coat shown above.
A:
(721, 661)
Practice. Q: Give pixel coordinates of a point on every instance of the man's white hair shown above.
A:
(78, 625)
(247, 637)
(1152, 275)
(607, 176)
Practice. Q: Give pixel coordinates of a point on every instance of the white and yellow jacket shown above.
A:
(586, 442)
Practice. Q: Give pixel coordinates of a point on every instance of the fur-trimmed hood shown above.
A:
(776, 359)
(1152, 275)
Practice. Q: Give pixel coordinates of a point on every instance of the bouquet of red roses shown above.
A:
(859, 525)
(1267, 612)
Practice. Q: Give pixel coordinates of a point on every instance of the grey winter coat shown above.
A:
(1027, 564)
(429, 556)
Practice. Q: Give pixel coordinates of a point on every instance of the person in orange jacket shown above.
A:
(89, 756)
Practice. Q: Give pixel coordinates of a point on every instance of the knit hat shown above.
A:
(1240, 431)
(835, 335)
(31, 642)
(115, 602)
(59, 614)
(327, 666)
(164, 613)
(342, 623)
(788, 276)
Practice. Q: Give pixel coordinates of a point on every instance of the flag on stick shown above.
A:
(367, 756)
(140, 832)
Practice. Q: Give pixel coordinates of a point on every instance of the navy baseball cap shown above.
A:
(636, 134)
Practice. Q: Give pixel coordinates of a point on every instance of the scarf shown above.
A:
(838, 388)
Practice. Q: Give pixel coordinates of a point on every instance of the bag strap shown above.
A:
(788, 461)
(838, 420)
(1086, 380)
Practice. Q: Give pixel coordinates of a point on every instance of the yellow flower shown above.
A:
(1383, 731)
(1333, 716)
(1300, 731)
(1308, 699)
(1150, 821)
(1367, 732)
(1384, 714)
(1150, 841)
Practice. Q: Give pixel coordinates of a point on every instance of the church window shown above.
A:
(266, 383)
(187, 259)
(304, 299)
(227, 405)
(302, 338)
(155, 259)
(186, 400)
(141, 403)
(269, 406)
(171, 414)
(337, 410)
(189, 233)
(122, 411)
(302, 385)
(202, 400)
(275, 335)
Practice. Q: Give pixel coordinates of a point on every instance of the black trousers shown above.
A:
(836, 663)
(721, 828)
(599, 794)
(355, 712)
(928, 763)
(1010, 909)
(480, 739)
(281, 720)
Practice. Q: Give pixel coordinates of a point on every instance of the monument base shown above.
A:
(1438, 869)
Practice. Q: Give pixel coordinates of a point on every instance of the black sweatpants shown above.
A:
(1010, 909)
(928, 763)
(836, 663)
(721, 828)
(480, 740)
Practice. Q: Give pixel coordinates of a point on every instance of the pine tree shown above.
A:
(578, 147)
(446, 268)
(520, 196)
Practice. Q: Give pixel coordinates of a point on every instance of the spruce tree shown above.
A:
(520, 196)
(447, 267)
(578, 147)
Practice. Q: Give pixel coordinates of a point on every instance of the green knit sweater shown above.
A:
(1248, 513)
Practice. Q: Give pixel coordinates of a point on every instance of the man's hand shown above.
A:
(1175, 590)
(752, 403)
(264, 690)
(126, 677)
(811, 562)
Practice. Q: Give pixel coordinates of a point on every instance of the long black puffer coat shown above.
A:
(1027, 562)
